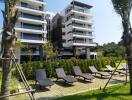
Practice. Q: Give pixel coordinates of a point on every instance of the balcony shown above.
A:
(83, 35)
(31, 21)
(32, 41)
(29, 53)
(28, 36)
(30, 10)
(32, 27)
(82, 20)
(79, 44)
(81, 12)
(82, 28)
(36, 2)
(29, 16)
(32, 31)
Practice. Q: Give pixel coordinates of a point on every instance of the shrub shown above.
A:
(29, 68)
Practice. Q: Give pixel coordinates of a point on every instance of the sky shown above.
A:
(107, 24)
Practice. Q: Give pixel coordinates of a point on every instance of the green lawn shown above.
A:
(120, 92)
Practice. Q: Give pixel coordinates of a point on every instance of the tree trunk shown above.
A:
(129, 59)
(5, 89)
(5, 82)
(6, 65)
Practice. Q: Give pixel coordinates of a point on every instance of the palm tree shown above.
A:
(8, 42)
(123, 8)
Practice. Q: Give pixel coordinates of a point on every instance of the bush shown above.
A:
(29, 68)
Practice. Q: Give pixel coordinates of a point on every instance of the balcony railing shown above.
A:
(84, 34)
(31, 37)
(83, 42)
(32, 27)
(26, 52)
(40, 0)
(33, 17)
(82, 26)
(30, 7)
(79, 10)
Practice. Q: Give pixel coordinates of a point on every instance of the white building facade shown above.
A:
(31, 29)
(77, 29)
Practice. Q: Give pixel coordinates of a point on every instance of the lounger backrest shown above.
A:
(109, 67)
(93, 69)
(125, 66)
(60, 72)
(41, 74)
(77, 70)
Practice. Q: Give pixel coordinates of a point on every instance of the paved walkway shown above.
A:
(60, 89)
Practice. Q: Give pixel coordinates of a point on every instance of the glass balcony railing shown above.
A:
(31, 36)
(32, 17)
(29, 52)
(81, 18)
(40, 0)
(32, 27)
(82, 26)
(84, 34)
(83, 42)
(31, 7)
(79, 10)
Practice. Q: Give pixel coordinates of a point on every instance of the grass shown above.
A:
(118, 92)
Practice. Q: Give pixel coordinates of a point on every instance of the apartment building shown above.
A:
(75, 30)
(31, 29)
(49, 16)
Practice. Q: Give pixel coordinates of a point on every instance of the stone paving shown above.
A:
(60, 89)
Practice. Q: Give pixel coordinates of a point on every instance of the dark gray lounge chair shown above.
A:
(61, 75)
(111, 69)
(77, 72)
(42, 79)
(95, 71)
(124, 67)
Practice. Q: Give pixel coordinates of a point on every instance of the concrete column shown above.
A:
(74, 51)
(87, 53)
(41, 53)
(18, 53)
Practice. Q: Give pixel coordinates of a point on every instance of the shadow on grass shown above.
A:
(115, 93)
(39, 88)
(84, 81)
(63, 84)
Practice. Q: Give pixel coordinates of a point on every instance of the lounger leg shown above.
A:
(35, 82)
(84, 79)
(57, 79)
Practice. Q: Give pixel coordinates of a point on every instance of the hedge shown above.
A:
(29, 68)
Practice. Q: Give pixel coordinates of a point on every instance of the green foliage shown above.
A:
(20, 44)
(112, 50)
(49, 51)
(29, 68)
(122, 7)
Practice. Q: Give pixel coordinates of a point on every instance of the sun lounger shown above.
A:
(111, 69)
(42, 79)
(95, 71)
(61, 75)
(77, 72)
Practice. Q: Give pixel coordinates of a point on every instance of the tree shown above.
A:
(123, 9)
(10, 15)
(49, 51)
(111, 50)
